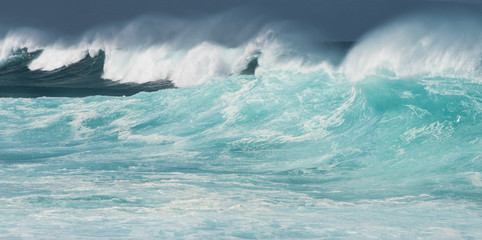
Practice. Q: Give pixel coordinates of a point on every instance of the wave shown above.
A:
(79, 79)
(445, 45)
(183, 53)
(295, 132)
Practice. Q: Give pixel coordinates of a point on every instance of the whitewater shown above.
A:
(163, 128)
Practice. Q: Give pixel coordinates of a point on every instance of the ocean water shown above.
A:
(263, 139)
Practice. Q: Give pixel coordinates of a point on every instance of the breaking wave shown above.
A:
(259, 126)
(186, 53)
(152, 49)
(420, 46)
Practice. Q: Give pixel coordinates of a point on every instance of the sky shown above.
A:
(339, 19)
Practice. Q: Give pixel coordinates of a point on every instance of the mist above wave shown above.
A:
(434, 45)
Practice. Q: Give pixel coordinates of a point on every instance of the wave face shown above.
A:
(79, 79)
(270, 139)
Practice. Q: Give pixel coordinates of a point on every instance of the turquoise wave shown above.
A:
(285, 154)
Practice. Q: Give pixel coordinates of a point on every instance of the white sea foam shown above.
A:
(53, 58)
(183, 67)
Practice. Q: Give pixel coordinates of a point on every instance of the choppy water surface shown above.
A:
(260, 140)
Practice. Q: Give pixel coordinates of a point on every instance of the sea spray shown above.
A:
(420, 46)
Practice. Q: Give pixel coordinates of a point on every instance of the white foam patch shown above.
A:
(436, 130)
(150, 139)
(475, 178)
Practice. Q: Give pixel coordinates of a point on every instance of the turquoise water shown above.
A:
(275, 155)
(378, 139)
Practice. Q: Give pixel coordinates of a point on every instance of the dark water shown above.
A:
(81, 79)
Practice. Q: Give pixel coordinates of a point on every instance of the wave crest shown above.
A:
(434, 46)
(188, 53)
